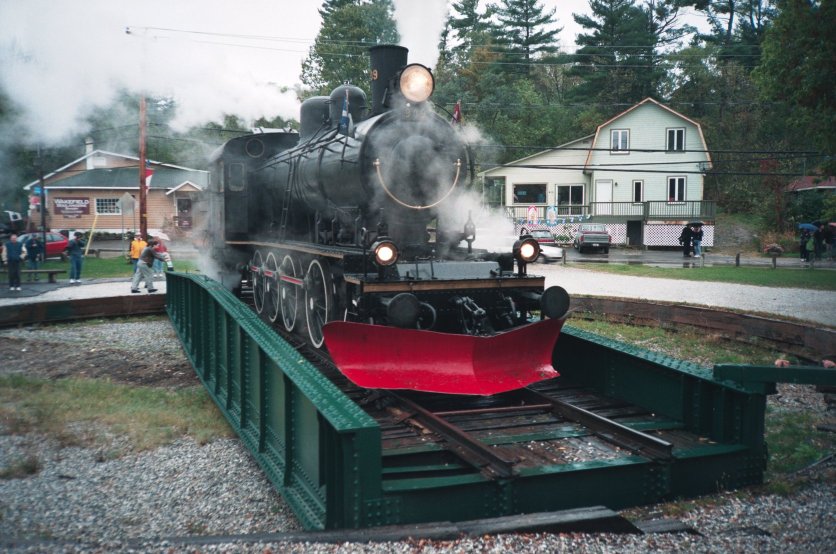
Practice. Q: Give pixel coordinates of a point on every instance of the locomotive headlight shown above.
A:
(526, 250)
(416, 83)
(385, 252)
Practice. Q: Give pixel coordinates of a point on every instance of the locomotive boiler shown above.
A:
(351, 233)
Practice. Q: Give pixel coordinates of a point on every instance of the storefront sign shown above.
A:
(71, 207)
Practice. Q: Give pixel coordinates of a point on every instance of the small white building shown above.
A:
(641, 174)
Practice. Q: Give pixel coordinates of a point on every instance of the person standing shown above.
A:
(143, 268)
(137, 245)
(159, 248)
(696, 238)
(685, 239)
(14, 252)
(75, 248)
(34, 254)
(818, 240)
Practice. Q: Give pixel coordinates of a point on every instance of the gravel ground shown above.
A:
(80, 501)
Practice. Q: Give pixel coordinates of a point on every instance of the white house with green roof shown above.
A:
(641, 173)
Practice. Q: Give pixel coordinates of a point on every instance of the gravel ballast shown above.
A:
(83, 500)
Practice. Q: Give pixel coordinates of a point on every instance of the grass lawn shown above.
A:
(821, 279)
(99, 268)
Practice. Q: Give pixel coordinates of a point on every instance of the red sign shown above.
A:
(71, 207)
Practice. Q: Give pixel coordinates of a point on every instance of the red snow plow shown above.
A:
(374, 356)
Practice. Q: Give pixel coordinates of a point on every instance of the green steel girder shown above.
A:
(769, 375)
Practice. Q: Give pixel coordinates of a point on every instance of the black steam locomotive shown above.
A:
(348, 233)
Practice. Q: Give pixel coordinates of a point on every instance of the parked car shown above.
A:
(542, 236)
(548, 252)
(55, 244)
(592, 236)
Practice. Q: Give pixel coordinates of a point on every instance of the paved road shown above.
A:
(805, 304)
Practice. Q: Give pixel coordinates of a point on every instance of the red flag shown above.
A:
(149, 172)
(457, 112)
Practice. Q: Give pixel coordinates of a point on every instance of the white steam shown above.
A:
(420, 24)
(61, 60)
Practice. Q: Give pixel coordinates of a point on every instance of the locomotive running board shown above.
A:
(380, 357)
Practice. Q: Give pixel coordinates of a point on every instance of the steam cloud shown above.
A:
(60, 60)
(420, 25)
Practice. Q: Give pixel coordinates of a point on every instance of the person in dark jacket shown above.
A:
(75, 248)
(696, 239)
(144, 265)
(685, 239)
(14, 252)
(34, 254)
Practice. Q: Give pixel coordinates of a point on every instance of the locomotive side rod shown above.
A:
(465, 446)
(616, 433)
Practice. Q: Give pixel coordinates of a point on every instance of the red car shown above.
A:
(56, 243)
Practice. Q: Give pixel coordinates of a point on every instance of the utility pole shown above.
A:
(143, 207)
(42, 195)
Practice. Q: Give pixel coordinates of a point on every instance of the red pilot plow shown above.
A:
(374, 356)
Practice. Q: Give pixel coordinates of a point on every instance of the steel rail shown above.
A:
(609, 430)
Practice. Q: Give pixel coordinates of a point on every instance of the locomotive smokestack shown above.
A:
(386, 61)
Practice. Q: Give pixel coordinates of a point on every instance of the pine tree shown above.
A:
(612, 59)
(522, 31)
(340, 51)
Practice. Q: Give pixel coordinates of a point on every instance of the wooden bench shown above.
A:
(51, 273)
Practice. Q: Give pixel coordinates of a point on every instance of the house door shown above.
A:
(603, 197)
(184, 213)
(634, 233)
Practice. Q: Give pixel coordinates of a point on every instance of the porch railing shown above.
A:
(651, 210)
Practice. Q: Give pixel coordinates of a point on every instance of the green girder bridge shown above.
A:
(620, 427)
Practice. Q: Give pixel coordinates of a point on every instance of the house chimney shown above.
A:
(88, 149)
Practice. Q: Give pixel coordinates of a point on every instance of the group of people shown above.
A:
(817, 244)
(147, 259)
(33, 251)
(691, 241)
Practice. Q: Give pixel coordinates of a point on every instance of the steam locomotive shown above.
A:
(351, 233)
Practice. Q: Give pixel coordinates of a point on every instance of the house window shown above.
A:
(676, 189)
(569, 199)
(620, 141)
(108, 206)
(676, 140)
(530, 194)
(638, 191)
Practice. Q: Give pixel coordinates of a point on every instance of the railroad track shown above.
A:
(436, 435)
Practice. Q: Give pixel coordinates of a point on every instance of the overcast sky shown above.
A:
(62, 58)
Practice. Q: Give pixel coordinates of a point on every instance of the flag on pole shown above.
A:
(149, 171)
(457, 113)
(344, 119)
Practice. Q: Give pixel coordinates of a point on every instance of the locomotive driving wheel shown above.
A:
(257, 271)
(289, 282)
(271, 292)
(319, 300)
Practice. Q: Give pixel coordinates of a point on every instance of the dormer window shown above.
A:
(620, 141)
(676, 140)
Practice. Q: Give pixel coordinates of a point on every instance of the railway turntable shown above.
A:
(620, 427)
